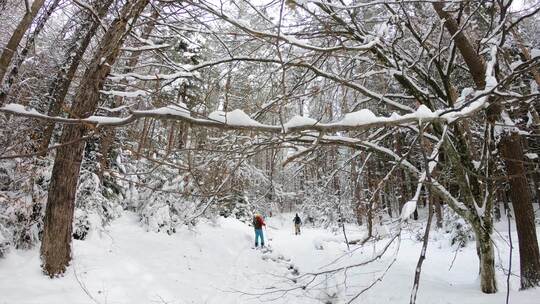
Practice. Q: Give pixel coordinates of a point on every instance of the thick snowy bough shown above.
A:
(238, 119)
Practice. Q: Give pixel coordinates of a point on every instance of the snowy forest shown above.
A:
(389, 148)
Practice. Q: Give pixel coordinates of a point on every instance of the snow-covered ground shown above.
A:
(216, 264)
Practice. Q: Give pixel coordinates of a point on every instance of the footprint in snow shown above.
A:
(268, 254)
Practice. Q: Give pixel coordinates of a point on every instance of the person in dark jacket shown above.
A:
(297, 222)
(258, 223)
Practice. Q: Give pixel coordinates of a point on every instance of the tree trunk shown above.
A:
(142, 139)
(356, 188)
(438, 211)
(108, 134)
(388, 199)
(56, 243)
(77, 46)
(403, 195)
(55, 247)
(15, 67)
(409, 193)
(474, 61)
(150, 149)
(529, 256)
(18, 34)
(484, 248)
(437, 201)
(497, 205)
(536, 182)
(520, 195)
(533, 112)
(369, 206)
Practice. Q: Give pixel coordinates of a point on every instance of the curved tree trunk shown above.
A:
(57, 232)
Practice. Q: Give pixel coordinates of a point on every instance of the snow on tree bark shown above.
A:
(57, 234)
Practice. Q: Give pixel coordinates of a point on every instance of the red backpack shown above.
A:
(258, 222)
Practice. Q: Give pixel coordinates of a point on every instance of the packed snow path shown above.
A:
(215, 264)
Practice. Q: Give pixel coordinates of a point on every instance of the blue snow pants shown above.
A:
(259, 235)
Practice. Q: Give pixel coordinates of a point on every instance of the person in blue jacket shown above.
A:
(258, 223)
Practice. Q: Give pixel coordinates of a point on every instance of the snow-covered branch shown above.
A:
(239, 120)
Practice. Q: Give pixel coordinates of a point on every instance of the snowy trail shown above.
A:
(215, 264)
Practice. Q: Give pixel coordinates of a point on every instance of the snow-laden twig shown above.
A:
(43, 152)
(457, 205)
(212, 199)
(289, 39)
(377, 256)
(410, 206)
(427, 174)
(90, 9)
(379, 279)
(83, 286)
